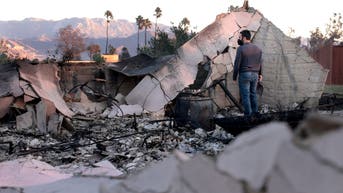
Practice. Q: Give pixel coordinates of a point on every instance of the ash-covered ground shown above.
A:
(128, 143)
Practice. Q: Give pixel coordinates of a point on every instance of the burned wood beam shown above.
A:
(228, 93)
(331, 102)
(74, 144)
(238, 124)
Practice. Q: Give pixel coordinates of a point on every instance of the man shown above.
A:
(248, 68)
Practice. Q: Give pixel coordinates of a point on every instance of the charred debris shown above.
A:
(138, 110)
(87, 124)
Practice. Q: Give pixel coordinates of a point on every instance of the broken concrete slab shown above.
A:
(45, 81)
(305, 173)
(28, 172)
(9, 79)
(201, 176)
(252, 155)
(152, 179)
(219, 68)
(75, 184)
(41, 117)
(103, 168)
(30, 94)
(54, 123)
(286, 80)
(25, 120)
(242, 18)
(255, 22)
(209, 43)
(327, 146)
(36, 117)
(50, 107)
(228, 25)
(277, 183)
(5, 103)
(147, 94)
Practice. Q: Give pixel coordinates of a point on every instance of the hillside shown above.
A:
(15, 49)
(39, 35)
(92, 28)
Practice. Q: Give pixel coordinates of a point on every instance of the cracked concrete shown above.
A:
(290, 74)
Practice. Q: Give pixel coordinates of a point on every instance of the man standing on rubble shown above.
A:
(248, 68)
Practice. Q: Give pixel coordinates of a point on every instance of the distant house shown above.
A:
(111, 58)
(331, 57)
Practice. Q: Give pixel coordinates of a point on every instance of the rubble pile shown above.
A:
(109, 141)
(128, 143)
(269, 159)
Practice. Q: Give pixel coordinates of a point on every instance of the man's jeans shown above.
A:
(247, 86)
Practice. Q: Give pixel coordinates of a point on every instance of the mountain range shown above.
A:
(39, 35)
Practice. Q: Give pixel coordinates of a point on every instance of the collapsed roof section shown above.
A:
(176, 72)
(45, 81)
(139, 65)
(290, 74)
(9, 87)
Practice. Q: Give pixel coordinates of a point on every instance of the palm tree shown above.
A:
(109, 16)
(185, 24)
(92, 50)
(139, 22)
(158, 14)
(147, 25)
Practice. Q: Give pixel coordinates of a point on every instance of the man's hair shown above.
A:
(246, 34)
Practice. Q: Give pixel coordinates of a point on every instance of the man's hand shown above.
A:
(260, 77)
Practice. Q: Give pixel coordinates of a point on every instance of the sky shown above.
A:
(301, 15)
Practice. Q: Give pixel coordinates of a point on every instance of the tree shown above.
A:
(232, 9)
(158, 14)
(317, 39)
(109, 17)
(334, 29)
(334, 32)
(3, 58)
(98, 58)
(112, 49)
(71, 43)
(161, 45)
(139, 22)
(3, 52)
(93, 49)
(3, 47)
(124, 54)
(147, 25)
(6, 52)
(182, 33)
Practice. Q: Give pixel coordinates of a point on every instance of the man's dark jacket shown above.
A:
(248, 59)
